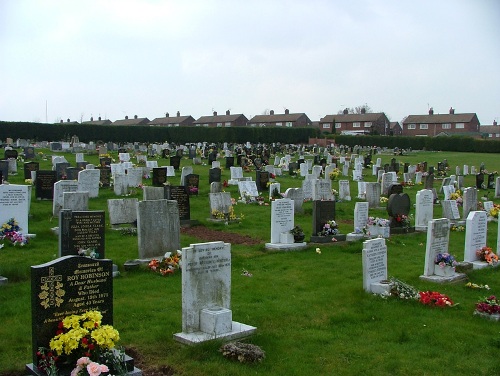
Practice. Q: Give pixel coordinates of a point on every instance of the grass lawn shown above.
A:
(310, 310)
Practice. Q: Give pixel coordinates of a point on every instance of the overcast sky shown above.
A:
(75, 59)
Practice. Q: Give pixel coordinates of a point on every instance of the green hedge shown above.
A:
(451, 143)
(147, 134)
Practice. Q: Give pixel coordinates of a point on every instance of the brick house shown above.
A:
(173, 121)
(286, 120)
(99, 121)
(227, 120)
(490, 131)
(441, 124)
(135, 121)
(396, 129)
(363, 123)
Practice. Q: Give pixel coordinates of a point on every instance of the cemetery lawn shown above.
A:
(311, 312)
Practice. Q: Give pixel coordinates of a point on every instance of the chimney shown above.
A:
(99, 118)
(61, 121)
(287, 111)
(452, 110)
(68, 120)
(346, 111)
(215, 113)
(271, 112)
(91, 118)
(135, 116)
(178, 114)
(495, 123)
(228, 112)
(166, 115)
(126, 117)
(363, 110)
(431, 111)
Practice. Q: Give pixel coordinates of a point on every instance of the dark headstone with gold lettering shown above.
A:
(29, 152)
(44, 184)
(159, 176)
(181, 195)
(30, 166)
(81, 230)
(69, 285)
(105, 176)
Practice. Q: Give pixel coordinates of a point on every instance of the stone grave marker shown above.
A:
(488, 205)
(81, 230)
(424, 209)
(297, 196)
(261, 180)
(29, 152)
(10, 154)
(323, 211)
(398, 205)
(124, 157)
(151, 216)
(192, 182)
(292, 168)
(491, 181)
(159, 176)
(88, 181)
(387, 181)
(429, 181)
(274, 190)
(236, 175)
(153, 193)
(475, 237)
(373, 194)
(206, 295)
(15, 203)
(44, 184)
(374, 261)
(185, 171)
(122, 212)
(215, 187)
(438, 238)
(303, 169)
(4, 170)
(344, 190)
(134, 176)
(308, 188)
(282, 221)
(497, 187)
(360, 216)
(76, 201)
(469, 201)
(175, 162)
(229, 162)
(450, 210)
(59, 188)
(179, 194)
(104, 176)
(480, 181)
(220, 202)
(248, 188)
(316, 171)
(323, 190)
(120, 184)
(61, 170)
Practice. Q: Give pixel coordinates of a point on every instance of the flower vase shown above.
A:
(299, 238)
(384, 231)
(447, 271)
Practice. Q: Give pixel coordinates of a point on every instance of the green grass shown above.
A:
(310, 310)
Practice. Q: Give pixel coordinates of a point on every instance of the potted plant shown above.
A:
(444, 264)
(298, 234)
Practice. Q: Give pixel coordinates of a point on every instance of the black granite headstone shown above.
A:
(491, 181)
(30, 166)
(175, 161)
(29, 152)
(192, 152)
(292, 168)
(192, 183)
(214, 175)
(55, 146)
(81, 230)
(181, 195)
(165, 153)
(4, 169)
(82, 165)
(405, 168)
(44, 184)
(323, 211)
(159, 176)
(429, 181)
(72, 173)
(394, 189)
(61, 170)
(229, 162)
(105, 176)
(398, 205)
(212, 157)
(479, 181)
(261, 180)
(431, 169)
(105, 161)
(12, 153)
(70, 285)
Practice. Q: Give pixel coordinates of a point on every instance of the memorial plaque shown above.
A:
(105, 176)
(261, 180)
(29, 152)
(175, 162)
(30, 166)
(282, 218)
(214, 175)
(181, 195)
(70, 285)
(323, 211)
(44, 185)
(81, 230)
(438, 239)
(192, 182)
(61, 170)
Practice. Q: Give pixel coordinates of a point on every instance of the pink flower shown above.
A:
(94, 369)
(76, 371)
(83, 361)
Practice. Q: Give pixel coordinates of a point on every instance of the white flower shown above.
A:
(167, 254)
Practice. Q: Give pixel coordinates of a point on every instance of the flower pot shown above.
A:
(299, 238)
(447, 271)
(493, 316)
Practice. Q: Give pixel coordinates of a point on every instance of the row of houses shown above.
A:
(429, 125)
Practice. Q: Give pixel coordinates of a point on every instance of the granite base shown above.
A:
(457, 277)
(239, 330)
(286, 247)
(328, 239)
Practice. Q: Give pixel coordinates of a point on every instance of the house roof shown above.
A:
(219, 118)
(97, 122)
(170, 120)
(277, 118)
(352, 118)
(393, 124)
(489, 129)
(439, 118)
(133, 121)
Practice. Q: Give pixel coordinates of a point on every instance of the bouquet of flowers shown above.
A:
(403, 220)
(381, 222)
(334, 174)
(434, 298)
(402, 290)
(445, 259)
(494, 211)
(457, 196)
(486, 254)
(11, 231)
(489, 305)
(168, 264)
(329, 228)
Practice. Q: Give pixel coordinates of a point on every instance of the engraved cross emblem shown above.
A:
(52, 292)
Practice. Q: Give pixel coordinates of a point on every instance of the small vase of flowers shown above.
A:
(444, 264)
(298, 234)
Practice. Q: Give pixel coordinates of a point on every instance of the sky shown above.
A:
(75, 59)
